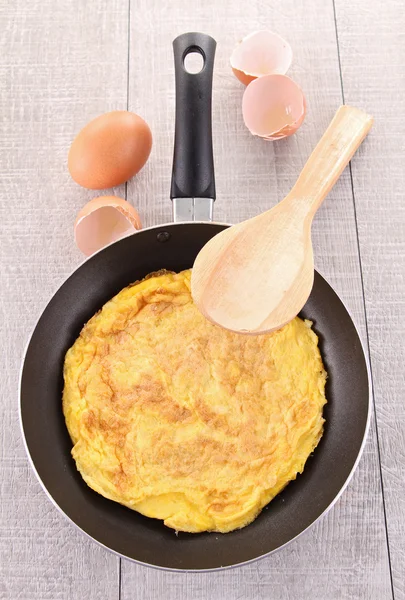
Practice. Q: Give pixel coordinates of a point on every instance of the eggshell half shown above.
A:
(110, 150)
(273, 107)
(104, 220)
(261, 53)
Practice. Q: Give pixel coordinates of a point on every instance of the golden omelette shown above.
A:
(184, 421)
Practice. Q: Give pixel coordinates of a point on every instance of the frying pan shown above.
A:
(175, 246)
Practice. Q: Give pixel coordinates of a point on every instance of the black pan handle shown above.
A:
(193, 163)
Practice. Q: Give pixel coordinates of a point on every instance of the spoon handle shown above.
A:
(333, 152)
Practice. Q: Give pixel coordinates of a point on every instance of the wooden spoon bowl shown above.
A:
(256, 276)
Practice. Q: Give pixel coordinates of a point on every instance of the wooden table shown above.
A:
(64, 62)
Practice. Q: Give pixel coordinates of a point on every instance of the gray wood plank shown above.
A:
(345, 555)
(372, 47)
(61, 63)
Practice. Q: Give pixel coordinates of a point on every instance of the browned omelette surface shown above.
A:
(183, 421)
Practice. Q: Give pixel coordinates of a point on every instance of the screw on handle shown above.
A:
(193, 163)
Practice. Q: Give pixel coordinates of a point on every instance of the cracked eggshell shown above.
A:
(104, 220)
(261, 53)
(273, 107)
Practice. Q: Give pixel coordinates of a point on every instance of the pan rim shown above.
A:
(214, 569)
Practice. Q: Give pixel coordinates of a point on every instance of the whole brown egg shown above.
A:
(109, 150)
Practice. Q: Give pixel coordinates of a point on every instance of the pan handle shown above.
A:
(193, 180)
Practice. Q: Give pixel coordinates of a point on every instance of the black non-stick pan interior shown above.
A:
(175, 247)
(148, 540)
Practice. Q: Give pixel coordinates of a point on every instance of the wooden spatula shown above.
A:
(256, 276)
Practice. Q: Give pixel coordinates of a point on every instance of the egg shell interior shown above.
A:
(273, 105)
(261, 53)
(101, 227)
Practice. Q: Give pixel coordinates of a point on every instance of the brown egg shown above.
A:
(110, 150)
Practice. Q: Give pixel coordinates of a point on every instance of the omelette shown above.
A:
(183, 421)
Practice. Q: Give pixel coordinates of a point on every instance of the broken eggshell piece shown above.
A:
(261, 53)
(273, 107)
(104, 220)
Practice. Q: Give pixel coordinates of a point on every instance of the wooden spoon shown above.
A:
(256, 276)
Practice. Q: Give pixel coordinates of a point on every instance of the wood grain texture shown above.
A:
(345, 555)
(227, 283)
(372, 49)
(61, 63)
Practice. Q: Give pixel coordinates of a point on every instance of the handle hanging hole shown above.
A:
(193, 61)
